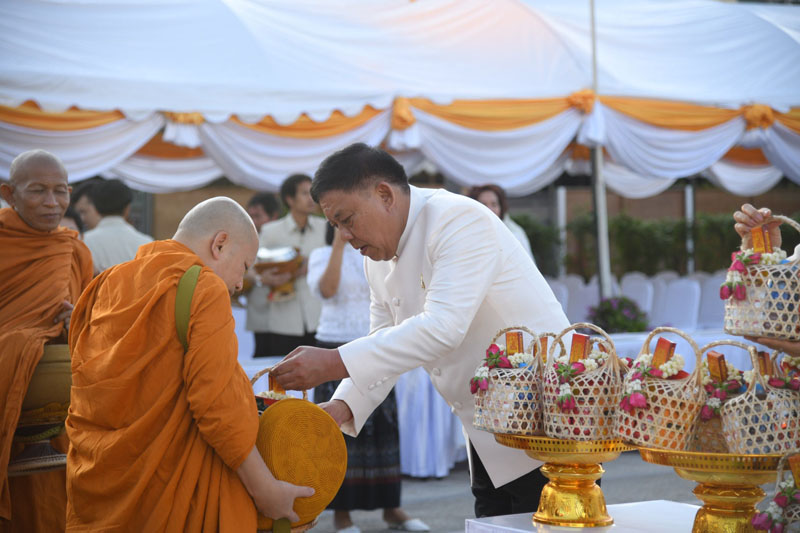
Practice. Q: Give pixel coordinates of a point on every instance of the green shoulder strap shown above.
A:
(183, 302)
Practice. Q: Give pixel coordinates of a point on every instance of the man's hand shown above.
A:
(788, 347)
(339, 411)
(65, 314)
(306, 367)
(273, 278)
(748, 218)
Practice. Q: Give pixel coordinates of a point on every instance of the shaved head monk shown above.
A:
(43, 269)
(163, 439)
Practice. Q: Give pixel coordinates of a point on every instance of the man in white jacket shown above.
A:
(445, 275)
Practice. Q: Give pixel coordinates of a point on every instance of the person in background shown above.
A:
(43, 269)
(281, 326)
(72, 220)
(263, 207)
(494, 198)
(336, 277)
(747, 218)
(83, 204)
(112, 241)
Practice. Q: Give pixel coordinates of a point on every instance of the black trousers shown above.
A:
(518, 496)
(269, 344)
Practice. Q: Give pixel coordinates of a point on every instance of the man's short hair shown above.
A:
(82, 189)
(110, 197)
(290, 184)
(355, 167)
(267, 201)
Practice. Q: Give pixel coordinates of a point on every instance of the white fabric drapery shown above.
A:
(158, 175)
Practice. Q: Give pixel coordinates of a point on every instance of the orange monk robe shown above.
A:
(156, 435)
(38, 271)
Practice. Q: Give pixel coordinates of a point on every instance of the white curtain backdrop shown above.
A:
(153, 174)
(743, 180)
(85, 153)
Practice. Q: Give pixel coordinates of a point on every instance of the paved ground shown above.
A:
(445, 503)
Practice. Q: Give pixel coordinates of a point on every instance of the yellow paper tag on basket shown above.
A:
(543, 348)
(664, 351)
(794, 466)
(717, 366)
(761, 241)
(514, 342)
(765, 364)
(579, 348)
(273, 385)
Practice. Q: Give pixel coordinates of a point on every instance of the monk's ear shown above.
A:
(221, 239)
(7, 192)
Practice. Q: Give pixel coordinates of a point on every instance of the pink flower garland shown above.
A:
(739, 263)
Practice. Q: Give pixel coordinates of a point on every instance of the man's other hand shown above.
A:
(339, 411)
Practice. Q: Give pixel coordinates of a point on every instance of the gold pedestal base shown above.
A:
(728, 485)
(571, 498)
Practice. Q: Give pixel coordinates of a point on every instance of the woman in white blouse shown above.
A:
(336, 276)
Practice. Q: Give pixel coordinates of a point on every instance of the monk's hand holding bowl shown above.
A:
(64, 315)
(306, 367)
(274, 278)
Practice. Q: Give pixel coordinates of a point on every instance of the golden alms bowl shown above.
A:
(47, 398)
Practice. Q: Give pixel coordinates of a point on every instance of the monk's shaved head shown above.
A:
(24, 162)
(223, 235)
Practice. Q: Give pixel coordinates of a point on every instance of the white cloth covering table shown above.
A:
(657, 516)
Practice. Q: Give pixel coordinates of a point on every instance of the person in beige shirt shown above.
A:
(282, 325)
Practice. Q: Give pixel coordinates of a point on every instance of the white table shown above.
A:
(431, 439)
(658, 516)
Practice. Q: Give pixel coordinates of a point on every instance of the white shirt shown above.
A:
(519, 233)
(113, 241)
(345, 315)
(459, 277)
(300, 314)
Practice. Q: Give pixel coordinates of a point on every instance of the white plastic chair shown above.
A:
(633, 275)
(640, 290)
(615, 288)
(700, 277)
(560, 291)
(712, 308)
(680, 305)
(666, 275)
(572, 281)
(580, 299)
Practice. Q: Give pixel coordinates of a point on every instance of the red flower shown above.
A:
(739, 292)
(754, 259)
(492, 350)
(738, 266)
(725, 291)
(483, 384)
(761, 521)
(706, 413)
(656, 373)
(777, 527)
(578, 367)
(709, 388)
(625, 405)
(778, 383)
(794, 384)
(473, 386)
(781, 500)
(503, 362)
(637, 399)
(721, 394)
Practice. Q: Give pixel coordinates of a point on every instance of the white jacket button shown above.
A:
(396, 302)
(436, 372)
(457, 405)
(371, 387)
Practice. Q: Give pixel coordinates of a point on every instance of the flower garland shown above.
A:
(566, 371)
(718, 391)
(496, 358)
(773, 519)
(734, 285)
(791, 365)
(633, 397)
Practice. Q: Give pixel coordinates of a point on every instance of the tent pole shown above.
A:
(561, 224)
(688, 199)
(599, 189)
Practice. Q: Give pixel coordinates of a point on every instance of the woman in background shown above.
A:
(494, 198)
(336, 276)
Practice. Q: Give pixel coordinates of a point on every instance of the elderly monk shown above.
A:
(43, 269)
(162, 440)
(445, 275)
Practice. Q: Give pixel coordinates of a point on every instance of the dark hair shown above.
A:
(353, 167)
(290, 184)
(71, 213)
(329, 234)
(501, 196)
(110, 197)
(82, 189)
(267, 201)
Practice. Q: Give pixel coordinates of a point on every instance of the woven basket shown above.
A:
(765, 423)
(670, 417)
(597, 395)
(301, 444)
(771, 306)
(792, 511)
(708, 435)
(512, 402)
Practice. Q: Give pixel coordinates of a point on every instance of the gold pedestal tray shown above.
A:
(571, 498)
(728, 485)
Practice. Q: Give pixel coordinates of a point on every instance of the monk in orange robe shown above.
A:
(162, 440)
(43, 269)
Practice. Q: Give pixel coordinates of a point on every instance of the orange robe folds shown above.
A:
(156, 435)
(38, 271)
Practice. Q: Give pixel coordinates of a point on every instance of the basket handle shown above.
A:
(597, 329)
(698, 376)
(518, 328)
(730, 342)
(781, 466)
(267, 371)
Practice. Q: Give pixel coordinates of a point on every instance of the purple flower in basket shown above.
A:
(739, 292)
(761, 521)
(794, 384)
(625, 405)
(637, 399)
(738, 266)
(777, 527)
(797, 496)
(706, 413)
(781, 500)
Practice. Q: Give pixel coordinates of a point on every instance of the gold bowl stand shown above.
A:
(571, 498)
(728, 485)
